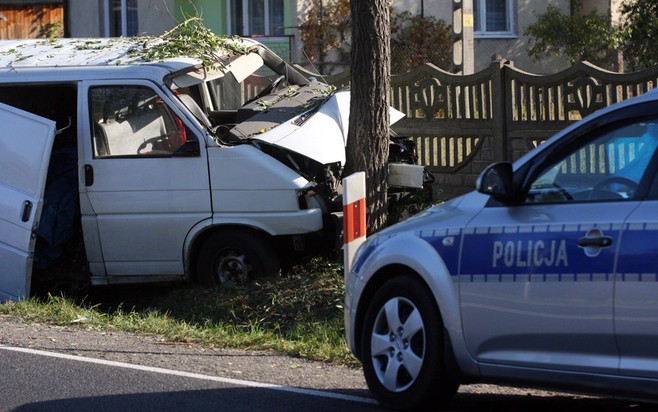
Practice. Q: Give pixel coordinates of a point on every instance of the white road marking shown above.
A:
(239, 382)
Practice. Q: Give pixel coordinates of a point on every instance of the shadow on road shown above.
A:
(539, 402)
(226, 399)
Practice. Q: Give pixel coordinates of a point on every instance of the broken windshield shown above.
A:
(239, 67)
(249, 95)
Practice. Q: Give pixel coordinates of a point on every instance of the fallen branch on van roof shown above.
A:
(188, 39)
(192, 39)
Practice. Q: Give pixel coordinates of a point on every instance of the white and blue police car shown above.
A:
(546, 275)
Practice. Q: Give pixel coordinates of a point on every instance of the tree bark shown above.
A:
(368, 137)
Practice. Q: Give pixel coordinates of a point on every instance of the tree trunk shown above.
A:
(368, 139)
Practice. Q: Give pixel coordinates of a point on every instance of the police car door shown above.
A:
(25, 145)
(636, 288)
(537, 277)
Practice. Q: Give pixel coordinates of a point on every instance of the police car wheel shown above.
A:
(235, 256)
(402, 347)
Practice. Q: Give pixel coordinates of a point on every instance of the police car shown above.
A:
(546, 275)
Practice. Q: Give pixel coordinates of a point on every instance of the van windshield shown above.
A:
(239, 67)
(249, 81)
(252, 94)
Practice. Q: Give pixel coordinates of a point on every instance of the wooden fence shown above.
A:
(31, 21)
(463, 123)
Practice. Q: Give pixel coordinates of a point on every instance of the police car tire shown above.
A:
(256, 249)
(431, 387)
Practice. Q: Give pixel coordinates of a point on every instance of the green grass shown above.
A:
(298, 313)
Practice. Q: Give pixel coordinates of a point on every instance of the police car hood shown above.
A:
(455, 213)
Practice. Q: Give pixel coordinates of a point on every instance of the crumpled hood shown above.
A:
(320, 133)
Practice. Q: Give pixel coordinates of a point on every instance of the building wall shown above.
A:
(599, 5)
(87, 18)
(156, 16)
(516, 49)
(614, 10)
(513, 48)
(510, 48)
(440, 9)
(604, 6)
(213, 13)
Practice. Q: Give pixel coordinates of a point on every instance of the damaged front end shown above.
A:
(305, 128)
(299, 121)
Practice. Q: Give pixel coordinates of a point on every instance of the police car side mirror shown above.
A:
(496, 181)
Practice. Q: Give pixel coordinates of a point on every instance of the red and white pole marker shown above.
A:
(354, 216)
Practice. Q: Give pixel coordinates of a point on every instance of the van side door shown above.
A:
(25, 145)
(144, 180)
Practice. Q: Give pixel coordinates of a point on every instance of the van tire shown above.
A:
(236, 256)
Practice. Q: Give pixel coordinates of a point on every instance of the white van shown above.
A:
(160, 167)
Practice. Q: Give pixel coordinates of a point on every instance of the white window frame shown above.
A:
(245, 18)
(124, 18)
(511, 12)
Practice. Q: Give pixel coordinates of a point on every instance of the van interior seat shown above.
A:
(125, 135)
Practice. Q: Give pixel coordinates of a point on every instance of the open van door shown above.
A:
(25, 145)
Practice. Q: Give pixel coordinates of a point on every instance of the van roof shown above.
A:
(91, 52)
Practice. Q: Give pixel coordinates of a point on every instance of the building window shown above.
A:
(255, 17)
(494, 18)
(120, 18)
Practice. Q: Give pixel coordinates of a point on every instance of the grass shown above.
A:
(298, 313)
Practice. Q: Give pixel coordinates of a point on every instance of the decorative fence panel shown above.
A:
(463, 123)
(536, 107)
(451, 119)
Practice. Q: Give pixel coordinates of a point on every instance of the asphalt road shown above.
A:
(35, 381)
(51, 368)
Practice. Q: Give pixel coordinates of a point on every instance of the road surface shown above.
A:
(49, 367)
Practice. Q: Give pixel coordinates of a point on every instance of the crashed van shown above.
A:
(162, 169)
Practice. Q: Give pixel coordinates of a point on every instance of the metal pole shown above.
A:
(124, 18)
(463, 60)
(320, 42)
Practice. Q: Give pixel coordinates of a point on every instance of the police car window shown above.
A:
(608, 167)
(133, 121)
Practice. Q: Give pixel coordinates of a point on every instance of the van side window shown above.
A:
(133, 121)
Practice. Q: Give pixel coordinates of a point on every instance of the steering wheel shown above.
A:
(563, 192)
(267, 90)
(154, 142)
(624, 181)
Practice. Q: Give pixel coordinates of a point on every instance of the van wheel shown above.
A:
(235, 256)
(402, 347)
